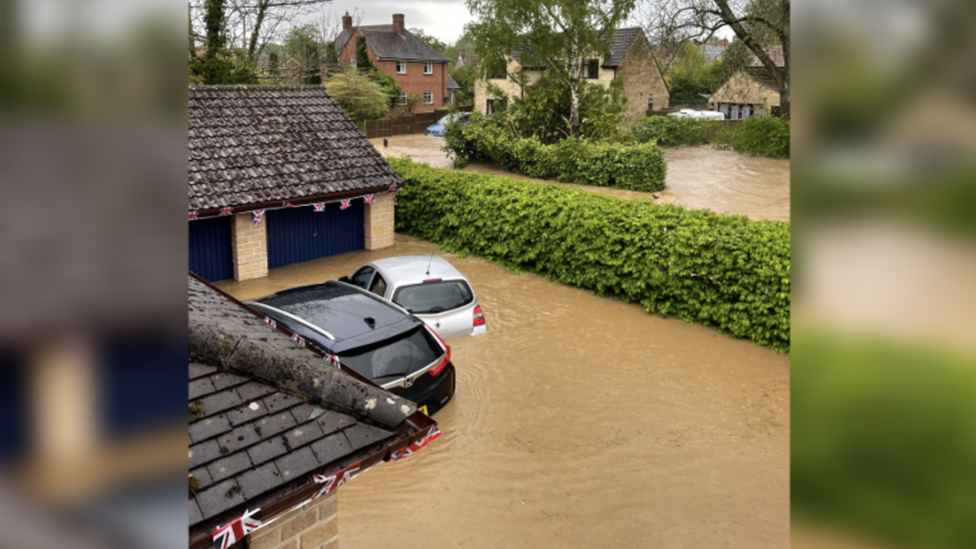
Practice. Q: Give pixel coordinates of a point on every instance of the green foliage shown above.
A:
(638, 167)
(692, 74)
(465, 77)
(362, 54)
(218, 66)
(389, 85)
(358, 95)
(887, 442)
(758, 136)
(670, 131)
(723, 271)
(428, 39)
(302, 45)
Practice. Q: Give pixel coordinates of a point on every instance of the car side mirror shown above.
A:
(344, 279)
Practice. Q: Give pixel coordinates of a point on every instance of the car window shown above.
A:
(394, 358)
(379, 286)
(362, 276)
(444, 120)
(434, 297)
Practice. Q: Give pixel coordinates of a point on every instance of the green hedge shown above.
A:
(720, 270)
(635, 167)
(671, 131)
(758, 136)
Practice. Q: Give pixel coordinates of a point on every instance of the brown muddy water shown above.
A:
(579, 421)
(698, 177)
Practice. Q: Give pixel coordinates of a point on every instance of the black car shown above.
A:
(370, 335)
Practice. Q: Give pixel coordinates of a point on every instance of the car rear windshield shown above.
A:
(434, 297)
(394, 357)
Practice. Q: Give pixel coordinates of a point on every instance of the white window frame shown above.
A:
(431, 95)
(428, 67)
(403, 99)
(402, 64)
(352, 61)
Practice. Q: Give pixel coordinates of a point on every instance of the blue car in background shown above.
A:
(440, 128)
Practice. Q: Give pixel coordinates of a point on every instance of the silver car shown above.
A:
(430, 288)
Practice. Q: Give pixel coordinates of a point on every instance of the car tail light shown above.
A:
(447, 356)
(479, 316)
(432, 280)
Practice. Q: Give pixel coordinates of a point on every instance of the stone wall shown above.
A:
(510, 88)
(642, 80)
(250, 247)
(743, 89)
(315, 526)
(378, 219)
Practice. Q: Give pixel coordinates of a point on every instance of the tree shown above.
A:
(301, 44)
(429, 40)
(465, 77)
(218, 65)
(362, 54)
(358, 95)
(556, 34)
(758, 24)
(692, 74)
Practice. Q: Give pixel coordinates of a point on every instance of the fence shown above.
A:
(415, 123)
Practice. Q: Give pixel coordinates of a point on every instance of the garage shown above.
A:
(211, 252)
(303, 234)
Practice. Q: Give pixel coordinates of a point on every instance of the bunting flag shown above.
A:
(194, 214)
(368, 198)
(394, 200)
(286, 204)
(226, 210)
(331, 482)
(270, 322)
(298, 339)
(333, 360)
(346, 202)
(229, 534)
(393, 186)
(409, 450)
(319, 206)
(258, 215)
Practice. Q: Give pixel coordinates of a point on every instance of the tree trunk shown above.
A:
(262, 8)
(574, 108)
(784, 103)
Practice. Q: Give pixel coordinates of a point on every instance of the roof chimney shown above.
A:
(346, 21)
(398, 24)
(725, 42)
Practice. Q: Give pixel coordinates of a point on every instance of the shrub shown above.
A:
(720, 270)
(671, 131)
(636, 167)
(758, 136)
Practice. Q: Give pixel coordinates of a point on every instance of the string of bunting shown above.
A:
(258, 215)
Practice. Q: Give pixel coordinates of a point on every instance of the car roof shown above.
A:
(340, 309)
(411, 269)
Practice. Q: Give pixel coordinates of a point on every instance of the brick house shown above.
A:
(275, 430)
(280, 175)
(751, 91)
(414, 65)
(631, 58)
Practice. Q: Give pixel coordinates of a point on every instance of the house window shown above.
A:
(650, 104)
(428, 98)
(352, 61)
(403, 99)
(428, 68)
(591, 68)
(494, 104)
(401, 67)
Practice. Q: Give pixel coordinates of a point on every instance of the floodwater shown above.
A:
(698, 177)
(579, 421)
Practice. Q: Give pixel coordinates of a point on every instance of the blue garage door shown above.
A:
(302, 234)
(211, 256)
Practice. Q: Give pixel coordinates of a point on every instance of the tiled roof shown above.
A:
(257, 144)
(622, 39)
(762, 76)
(263, 425)
(386, 43)
(775, 53)
(451, 84)
(713, 51)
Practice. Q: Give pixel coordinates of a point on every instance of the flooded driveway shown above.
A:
(698, 177)
(579, 421)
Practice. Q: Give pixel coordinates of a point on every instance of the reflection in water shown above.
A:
(579, 421)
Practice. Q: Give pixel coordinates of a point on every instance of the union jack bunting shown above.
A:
(229, 534)
(286, 204)
(332, 360)
(368, 198)
(194, 214)
(393, 186)
(319, 206)
(331, 482)
(346, 202)
(409, 450)
(298, 339)
(258, 214)
(226, 210)
(394, 200)
(270, 322)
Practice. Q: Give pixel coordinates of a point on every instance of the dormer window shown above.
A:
(401, 67)
(428, 68)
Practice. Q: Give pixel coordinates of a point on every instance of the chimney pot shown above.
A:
(398, 24)
(346, 21)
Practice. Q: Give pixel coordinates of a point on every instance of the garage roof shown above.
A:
(258, 144)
